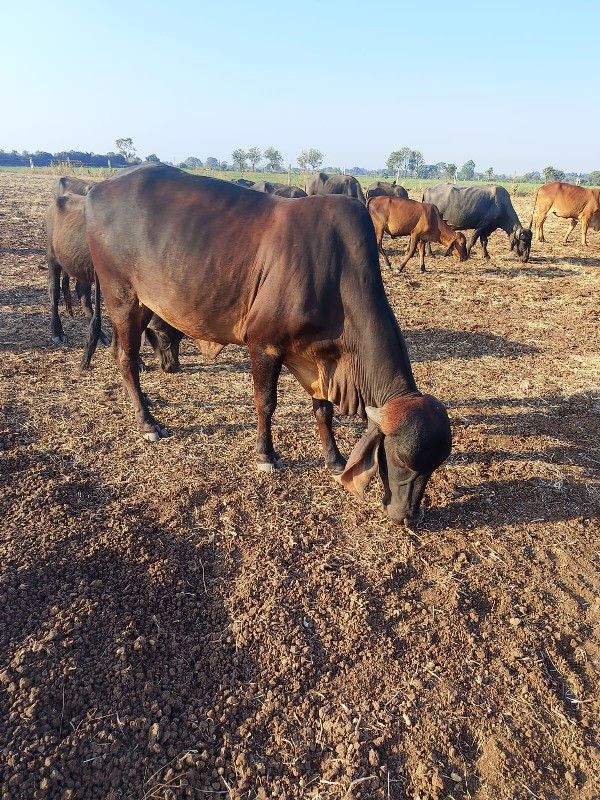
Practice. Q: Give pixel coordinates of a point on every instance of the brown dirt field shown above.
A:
(175, 625)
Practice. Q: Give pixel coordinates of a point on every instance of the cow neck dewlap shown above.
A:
(370, 373)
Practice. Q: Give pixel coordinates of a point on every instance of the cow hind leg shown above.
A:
(334, 461)
(66, 290)
(54, 270)
(409, 253)
(266, 365)
(128, 325)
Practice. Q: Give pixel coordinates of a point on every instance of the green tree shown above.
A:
(467, 171)
(274, 159)
(451, 171)
(254, 155)
(551, 174)
(192, 162)
(310, 158)
(211, 163)
(415, 161)
(239, 159)
(594, 178)
(489, 173)
(153, 158)
(125, 148)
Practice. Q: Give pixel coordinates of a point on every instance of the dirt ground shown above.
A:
(175, 625)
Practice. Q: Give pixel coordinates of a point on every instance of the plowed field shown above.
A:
(175, 625)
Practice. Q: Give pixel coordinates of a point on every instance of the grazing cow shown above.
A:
(321, 183)
(290, 191)
(68, 251)
(421, 221)
(69, 184)
(297, 283)
(570, 202)
(482, 209)
(279, 189)
(244, 182)
(385, 189)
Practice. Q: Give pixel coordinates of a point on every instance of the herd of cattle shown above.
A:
(297, 281)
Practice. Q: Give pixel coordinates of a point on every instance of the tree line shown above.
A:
(402, 163)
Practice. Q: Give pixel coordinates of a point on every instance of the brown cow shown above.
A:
(421, 221)
(298, 284)
(68, 183)
(570, 202)
(67, 250)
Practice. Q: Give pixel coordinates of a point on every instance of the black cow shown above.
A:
(279, 189)
(244, 182)
(482, 209)
(385, 189)
(321, 183)
(297, 283)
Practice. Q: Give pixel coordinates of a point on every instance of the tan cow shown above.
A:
(570, 202)
(421, 221)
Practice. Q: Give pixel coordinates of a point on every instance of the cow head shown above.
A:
(406, 440)
(520, 239)
(459, 247)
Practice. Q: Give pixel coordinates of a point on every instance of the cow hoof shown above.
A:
(269, 466)
(151, 436)
(59, 339)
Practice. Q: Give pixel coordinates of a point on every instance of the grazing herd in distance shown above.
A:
(299, 285)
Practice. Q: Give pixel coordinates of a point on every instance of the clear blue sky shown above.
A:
(512, 85)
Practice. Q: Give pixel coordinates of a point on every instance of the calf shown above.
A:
(421, 221)
(570, 202)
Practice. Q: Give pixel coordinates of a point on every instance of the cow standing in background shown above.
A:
(385, 189)
(481, 209)
(321, 183)
(297, 283)
(569, 202)
(421, 221)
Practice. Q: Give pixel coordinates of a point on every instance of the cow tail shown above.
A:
(533, 209)
(93, 331)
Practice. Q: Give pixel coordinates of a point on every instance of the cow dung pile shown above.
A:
(175, 625)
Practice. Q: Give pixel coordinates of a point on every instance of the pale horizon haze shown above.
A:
(511, 86)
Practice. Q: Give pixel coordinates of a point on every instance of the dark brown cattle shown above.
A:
(385, 189)
(421, 221)
(67, 251)
(297, 283)
(278, 189)
(570, 202)
(70, 184)
(322, 183)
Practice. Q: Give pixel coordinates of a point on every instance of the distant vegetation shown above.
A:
(406, 165)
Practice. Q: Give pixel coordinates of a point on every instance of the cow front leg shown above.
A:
(334, 460)
(58, 335)
(409, 253)
(422, 255)
(126, 348)
(572, 224)
(429, 250)
(266, 365)
(484, 243)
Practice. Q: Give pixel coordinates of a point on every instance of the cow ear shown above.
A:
(374, 414)
(363, 462)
